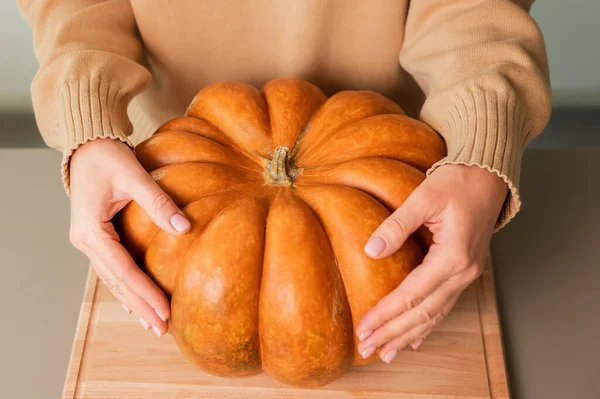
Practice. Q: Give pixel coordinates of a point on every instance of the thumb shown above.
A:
(159, 206)
(396, 229)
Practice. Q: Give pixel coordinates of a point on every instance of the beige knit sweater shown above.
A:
(475, 70)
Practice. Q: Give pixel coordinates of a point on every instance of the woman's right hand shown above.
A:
(105, 176)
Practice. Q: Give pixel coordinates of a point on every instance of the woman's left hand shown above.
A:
(460, 206)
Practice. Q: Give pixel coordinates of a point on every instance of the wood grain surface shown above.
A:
(114, 357)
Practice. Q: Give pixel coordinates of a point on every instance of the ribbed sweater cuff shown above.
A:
(93, 109)
(488, 130)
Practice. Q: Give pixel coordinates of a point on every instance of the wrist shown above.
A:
(480, 175)
(482, 189)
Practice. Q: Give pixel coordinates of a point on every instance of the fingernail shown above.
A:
(180, 223)
(365, 335)
(390, 356)
(415, 345)
(375, 246)
(126, 308)
(157, 332)
(144, 323)
(368, 352)
(163, 318)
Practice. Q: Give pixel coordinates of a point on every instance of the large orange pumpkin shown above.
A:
(283, 188)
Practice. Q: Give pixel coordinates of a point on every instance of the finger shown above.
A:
(428, 313)
(127, 272)
(131, 274)
(418, 285)
(148, 317)
(396, 229)
(126, 308)
(158, 205)
(127, 298)
(111, 283)
(414, 338)
(124, 278)
(389, 351)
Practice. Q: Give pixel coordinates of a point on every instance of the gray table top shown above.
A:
(546, 266)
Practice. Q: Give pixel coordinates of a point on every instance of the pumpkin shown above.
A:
(283, 187)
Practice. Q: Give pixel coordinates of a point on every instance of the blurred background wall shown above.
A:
(570, 28)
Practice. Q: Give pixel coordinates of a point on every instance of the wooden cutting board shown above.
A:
(113, 357)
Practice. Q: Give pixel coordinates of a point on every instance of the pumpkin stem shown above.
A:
(278, 170)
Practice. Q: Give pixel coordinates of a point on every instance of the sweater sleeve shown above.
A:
(482, 65)
(89, 53)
